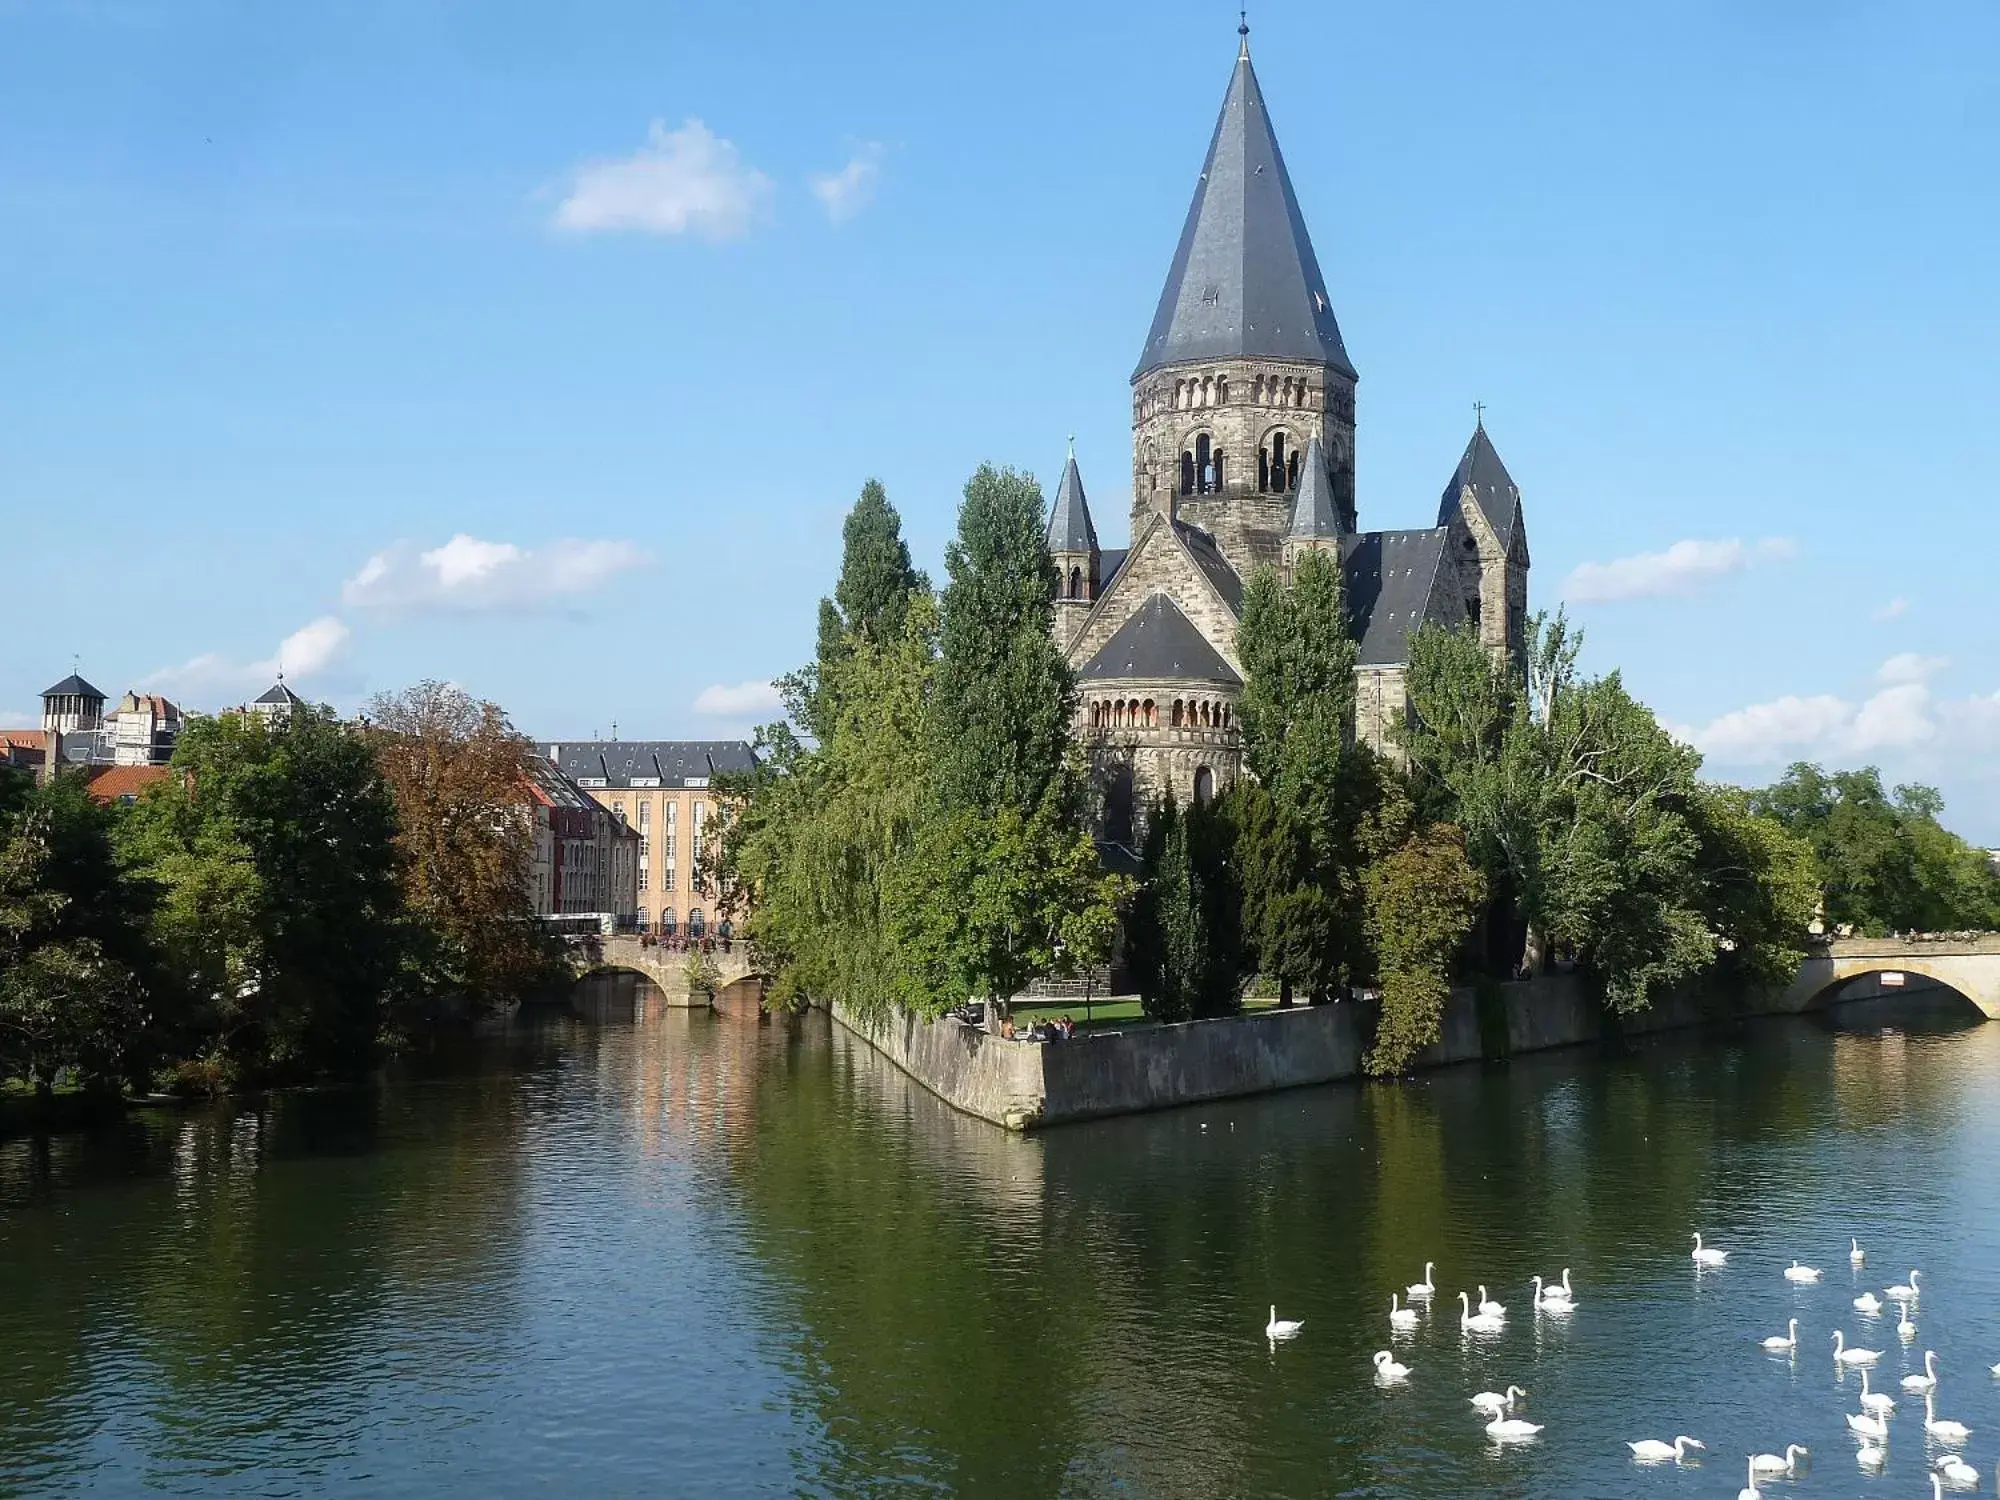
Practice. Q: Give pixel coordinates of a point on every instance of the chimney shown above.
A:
(51, 754)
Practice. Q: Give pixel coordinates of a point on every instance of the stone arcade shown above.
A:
(1242, 456)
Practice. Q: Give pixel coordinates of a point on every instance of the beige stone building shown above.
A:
(663, 790)
(1243, 433)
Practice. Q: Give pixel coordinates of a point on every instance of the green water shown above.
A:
(705, 1256)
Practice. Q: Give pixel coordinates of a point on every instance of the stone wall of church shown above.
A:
(1139, 755)
(1161, 566)
(1381, 700)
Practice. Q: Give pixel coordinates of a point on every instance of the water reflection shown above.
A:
(707, 1254)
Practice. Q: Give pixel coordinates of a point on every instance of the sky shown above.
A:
(541, 349)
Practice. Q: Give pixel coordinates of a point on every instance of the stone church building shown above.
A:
(1243, 456)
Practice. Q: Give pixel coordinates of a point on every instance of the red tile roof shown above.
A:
(111, 783)
(24, 739)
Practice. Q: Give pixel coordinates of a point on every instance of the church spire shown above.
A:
(1244, 280)
(1070, 529)
(1315, 514)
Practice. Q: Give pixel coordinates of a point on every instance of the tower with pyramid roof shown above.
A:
(1243, 457)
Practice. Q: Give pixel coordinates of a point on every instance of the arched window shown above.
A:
(1299, 394)
(723, 929)
(1277, 460)
(644, 921)
(1263, 471)
(1292, 471)
(1118, 806)
(1204, 786)
(697, 924)
(667, 920)
(1227, 714)
(1222, 390)
(1187, 472)
(1152, 714)
(1204, 472)
(1076, 583)
(1179, 713)
(1216, 462)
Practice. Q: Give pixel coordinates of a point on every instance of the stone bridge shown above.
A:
(1966, 962)
(594, 953)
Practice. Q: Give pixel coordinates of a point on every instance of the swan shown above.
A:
(1846, 1356)
(1401, 1317)
(1907, 1292)
(1282, 1328)
(1473, 1322)
(1918, 1384)
(1511, 1429)
(1492, 1403)
(1420, 1291)
(1879, 1402)
(1554, 1296)
(1386, 1367)
(1943, 1431)
(1708, 1257)
(1653, 1451)
(1906, 1330)
(1871, 1454)
(1954, 1470)
(1489, 1307)
(1750, 1490)
(1868, 1303)
(1797, 1272)
(1856, 1255)
(1786, 1340)
(1863, 1425)
(1770, 1463)
(1996, 1369)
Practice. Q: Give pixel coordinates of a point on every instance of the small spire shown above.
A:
(1243, 34)
(1072, 447)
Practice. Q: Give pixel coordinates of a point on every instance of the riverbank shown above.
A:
(1025, 1086)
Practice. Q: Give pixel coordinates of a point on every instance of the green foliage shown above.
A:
(1884, 862)
(871, 602)
(701, 973)
(274, 849)
(1762, 888)
(1423, 898)
(1185, 927)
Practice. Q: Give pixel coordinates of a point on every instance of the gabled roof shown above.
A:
(1110, 560)
(279, 693)
(1244, 279)
(1069, 522)
(1158, 641)
(114, 783)
(618, 763)
(1499, 498)
(1390, 578)
(72, 686)
(1214, 566)
(1315, 517)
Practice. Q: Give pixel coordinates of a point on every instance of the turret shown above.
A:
(1488, 547)
(1073, 550)
(1317, 523)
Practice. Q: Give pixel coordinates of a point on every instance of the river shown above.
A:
(704, 1256)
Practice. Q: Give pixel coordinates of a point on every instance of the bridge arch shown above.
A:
(664, 966)
(1829, 975)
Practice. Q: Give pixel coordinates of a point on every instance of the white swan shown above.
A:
(1489, 1307)
(1906, 1330)
(1846, 1356)
(1708, 1257)
(1943, 1431)
(1401, 1317)
(1871, 1455)
(1750, 1490)
(1856, 1255)
(1511, 1429)
(1996, 1369)
(1770, 1463)
(1554, 1296)
(1473, 1322)
(1653, 1451)
(1282, 1328)
(1493, 1403)
(1797, 1272)
(1918, 1384)
(1879, 1402)
(1864, 1425)
(1954, 1470)
(1781, 1342)
(1420, 1291)
(1386, 1367)
(1907, 1292)
(1868, 1303)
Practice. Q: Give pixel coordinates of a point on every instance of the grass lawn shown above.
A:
(1118, 1011)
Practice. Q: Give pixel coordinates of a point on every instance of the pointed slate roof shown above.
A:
(279, 693)
(72, 686)
(1499, 498)
(1244, 280)
(1069, 523)
(1391, 579)
(1314, 515)
(1158, 641)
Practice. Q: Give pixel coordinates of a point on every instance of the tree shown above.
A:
(455, 768)
(1184, 933)
(870, 601)
(1760, 888)
(286, 833)
(1422, 901)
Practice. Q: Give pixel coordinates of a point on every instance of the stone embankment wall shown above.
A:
(1025, 1085)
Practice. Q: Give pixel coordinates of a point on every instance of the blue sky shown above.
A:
(542, 348)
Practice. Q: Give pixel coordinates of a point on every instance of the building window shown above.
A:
(667, 920)
(1076, 583)
(642, 874)
(644, 923)
(1204, 786)
(1118, 806)
(667, 879)
(672, 809)
(618, 808)
(645, 815)
(1187, 472)
(696, 922)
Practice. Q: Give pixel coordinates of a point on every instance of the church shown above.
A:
(1243, 457)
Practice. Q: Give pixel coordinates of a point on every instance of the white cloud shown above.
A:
(1910, 666)
(1901, 717)
(742, 700)
(686, 181)
(1891, 610)
(467, 574)
(305, 653)
(845, 193)
(1682, 569)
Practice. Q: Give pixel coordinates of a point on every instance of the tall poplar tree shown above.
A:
(870, 601)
